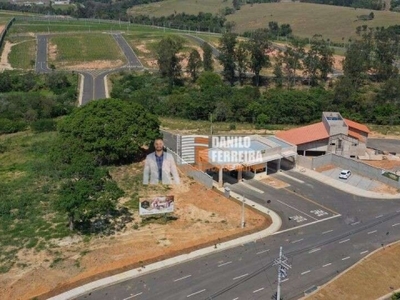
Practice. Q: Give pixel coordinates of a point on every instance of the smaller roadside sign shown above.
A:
(156, 205)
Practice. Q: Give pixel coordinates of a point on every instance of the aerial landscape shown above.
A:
(200, 149)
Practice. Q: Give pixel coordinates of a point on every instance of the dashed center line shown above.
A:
(397, 224)
(133, 296)
(224, 264)
(326, 265)
(344, 241)
(184, 277)
(380, 216)
(371, 232)
(314, 250)
(346, 258)
(305, 272)
(296, 241)
(195, 293)
(258, 290)
(355, 223)
(284, 280)
(236, 298)
(325, 232)
(241, 276)
(262, 252)
(363, 252)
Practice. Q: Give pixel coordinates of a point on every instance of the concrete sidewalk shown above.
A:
(344, 186)
(98, 284)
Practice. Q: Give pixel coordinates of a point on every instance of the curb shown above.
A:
(81, 83)
(344, 187)
(111, 280)
(347, 270)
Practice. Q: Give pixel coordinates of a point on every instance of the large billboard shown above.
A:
(156, 205)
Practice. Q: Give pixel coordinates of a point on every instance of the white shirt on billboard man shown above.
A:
(159, 166)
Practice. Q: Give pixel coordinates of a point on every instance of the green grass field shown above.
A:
(22, 55)
(306, 19)
(78, 48)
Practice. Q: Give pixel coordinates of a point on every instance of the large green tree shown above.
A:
(111, 130)
(168, 60)
(194, 64)
(207, 57)
(258, 46)
(227, 56)
(241, 55)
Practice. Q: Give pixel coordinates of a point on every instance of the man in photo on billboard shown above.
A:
(159, 166)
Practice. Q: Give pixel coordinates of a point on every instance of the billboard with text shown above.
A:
(156, 205)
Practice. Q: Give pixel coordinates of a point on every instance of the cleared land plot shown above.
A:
(375, 276)
(86, 51)
(169, 7)
(22, 55)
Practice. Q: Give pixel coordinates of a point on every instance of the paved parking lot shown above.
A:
(355, 179)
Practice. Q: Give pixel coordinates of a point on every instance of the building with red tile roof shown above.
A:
(334, 134)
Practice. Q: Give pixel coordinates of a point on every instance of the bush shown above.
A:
(43, 125)
(8, 126)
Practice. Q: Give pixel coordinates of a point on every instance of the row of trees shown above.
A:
(370, 4)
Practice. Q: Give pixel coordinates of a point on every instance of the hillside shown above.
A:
(306, 19)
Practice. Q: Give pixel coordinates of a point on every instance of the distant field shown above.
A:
(169, 7)
(78, 49)
(22, 55)
(306, 19)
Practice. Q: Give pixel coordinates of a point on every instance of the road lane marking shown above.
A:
(133, 296)
(363, 252)
(253, 188)
(224, 264)
(344, 241)
(236, 298)
(184, 277)
(380, 216)
(262, 251)
(290, 177)
(397, 224)
(296, 241)
(307, 224)
(326, 265)
(297, 210)
(241, 276)
(371, 232)
(346, 258)
(284, 280)
(305, 272)
(355, 223)
(314, 250)
(325, 232)
(198, 292)
(258, 290)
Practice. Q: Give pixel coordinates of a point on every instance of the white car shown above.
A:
(344, 174)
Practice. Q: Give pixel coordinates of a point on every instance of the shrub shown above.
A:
(43, 125)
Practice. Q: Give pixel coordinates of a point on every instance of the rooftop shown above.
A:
(305, 134)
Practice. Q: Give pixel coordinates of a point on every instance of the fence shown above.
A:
(191, 171)
(355, 166)
(4, 32)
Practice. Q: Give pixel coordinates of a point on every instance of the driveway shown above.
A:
(356, 180)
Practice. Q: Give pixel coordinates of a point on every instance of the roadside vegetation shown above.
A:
(22, 55)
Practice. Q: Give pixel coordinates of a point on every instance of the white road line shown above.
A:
(346, 258)
(296, 241)
(397, 224)
(258, 290)
(380, 216)
(325, 232)
(241, 276)
(288, 176)
(363, 252)
(326, 265)
(344, 241)
(305, 272)
(284, 280)
(371, 232)
(262, 251)
(236, 298)
(182, 278)
(307, 224)
(224, 264)
(195, 293)
(355, 223)
(133, 296)
(314, 250)
(297, 210)
(253, 188)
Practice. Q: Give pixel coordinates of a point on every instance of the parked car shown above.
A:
(344, 174)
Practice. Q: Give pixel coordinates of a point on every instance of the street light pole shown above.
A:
(243, 221)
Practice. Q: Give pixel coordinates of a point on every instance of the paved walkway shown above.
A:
(343, 186)
(98, 284)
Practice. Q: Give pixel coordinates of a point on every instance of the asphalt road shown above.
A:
(389, 145)
(41, 55)
(317, 249)
(130, 55)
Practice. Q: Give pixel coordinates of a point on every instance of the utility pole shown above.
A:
(243, 221)
(283, 266)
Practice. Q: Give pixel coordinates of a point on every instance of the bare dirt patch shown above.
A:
(375, 276)
(142, 48)
(338, 62)
(325, 168)
(276, 183)
(386, 189)
(205, 217)
(4, 64)
(384, 164)
(93, 65)
(52, 49)
(2, 28)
